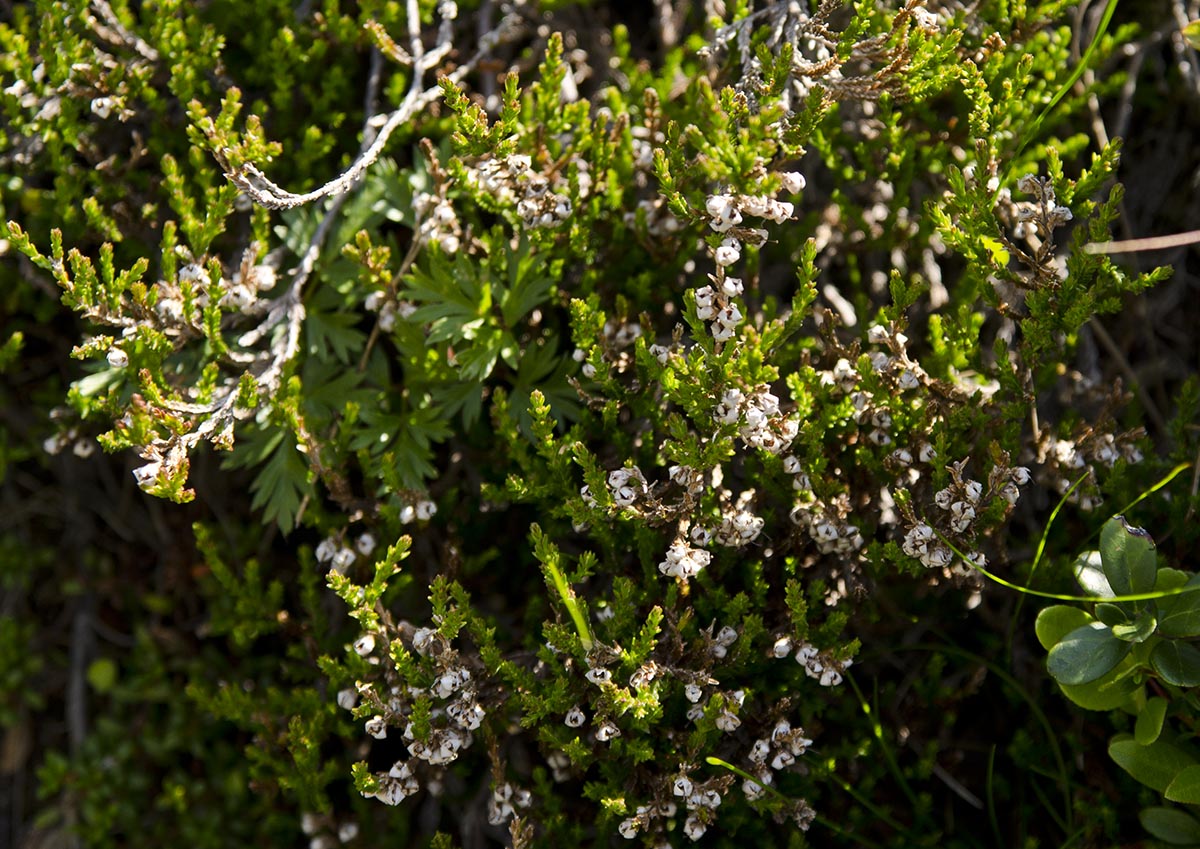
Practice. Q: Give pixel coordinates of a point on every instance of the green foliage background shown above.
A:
(170, 666)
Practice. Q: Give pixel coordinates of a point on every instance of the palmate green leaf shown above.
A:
(529, 282)
(333, 335)
(1127, 557)
(281, 484)
(1086, 654)
(1156, 765)
(1177, 663)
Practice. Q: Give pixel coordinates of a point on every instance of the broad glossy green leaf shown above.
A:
(1086, 654)
(1155, 765)
(1179, 616)
(1109, 692)
(1186, 787)
(1171, 825)
(1127, 556)
(1139, 630)
(1058, 620)
(1111, 614)
(1150, 721)
(1177, 663)
(1090, 575)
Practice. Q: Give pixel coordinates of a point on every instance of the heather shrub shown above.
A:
(547, 423)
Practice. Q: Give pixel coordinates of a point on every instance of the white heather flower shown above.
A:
(364, 645)
(426, 510)
(347, 831)
(845, 375)
(705, 303)
(695, 712)
(830, 677)
(683, 561)
(760, 750)
(607, 731)
(407, 513)
(943, 497)
(627, 485)
(343, 559)
(718, 206)
(693, 693)
(326, 549)
(726, 323)
(347, 699)
(727, 636)
(682, 786)
(805, 655)
(102, 107)
(390, 792)
(628, 828)
(962, 514)
(693, 828)
(876, 334)
(926, 453)
(263, 277)
(938, 557)
(729, 253)
(1020, 476)
(782, 647)
(974, 490)
(376, 727)
(146, 475)
(117, 358)
(753, 788)
(365, 544)
(575, 717)
(793, 181)
(421, 640)
(239, 297)
(731, 287)
(598, 676)
(727, 721)
(193, 274)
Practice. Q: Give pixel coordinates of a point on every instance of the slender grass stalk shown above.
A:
(1084, 62)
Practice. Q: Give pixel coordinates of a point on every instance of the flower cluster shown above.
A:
(1046, 211)
(439, 222)
(776, 751)
(505, 801)
(627, 485)
(683, 561)
(818, 664)
(760, 422)
(338, 556)
(739, 527)
(325, 833)
(717, 306)
(512, 180)
(456, 712)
